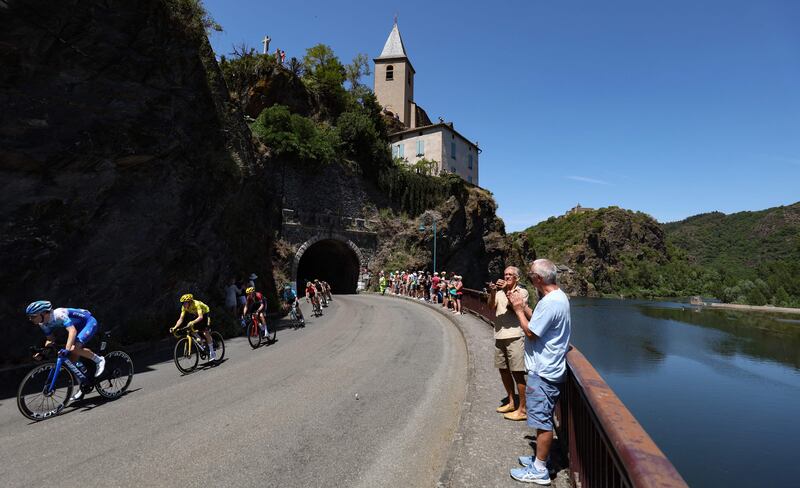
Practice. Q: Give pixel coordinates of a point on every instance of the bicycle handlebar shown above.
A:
(176, 330)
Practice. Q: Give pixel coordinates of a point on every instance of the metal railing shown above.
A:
(607, 445)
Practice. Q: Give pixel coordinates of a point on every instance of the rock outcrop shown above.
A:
(126, 176)
(470, 241)
(593, 248)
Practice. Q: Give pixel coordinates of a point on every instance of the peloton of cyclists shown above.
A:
(80, 327)
(290, 299)
(257, 304)
(202, 323)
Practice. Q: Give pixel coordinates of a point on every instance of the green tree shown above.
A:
(358, 68)
(324, 76)
(295, 137)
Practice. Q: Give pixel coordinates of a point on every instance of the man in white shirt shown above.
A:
(547, 332)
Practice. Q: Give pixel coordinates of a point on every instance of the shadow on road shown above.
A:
(144, 357)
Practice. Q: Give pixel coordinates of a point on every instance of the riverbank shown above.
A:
(752, 308)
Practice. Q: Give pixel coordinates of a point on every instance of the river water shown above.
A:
(718, 390)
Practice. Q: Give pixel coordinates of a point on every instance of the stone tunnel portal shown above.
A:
(329, 260)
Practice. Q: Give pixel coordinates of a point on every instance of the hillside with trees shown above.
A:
(756, 254)
(747, 257)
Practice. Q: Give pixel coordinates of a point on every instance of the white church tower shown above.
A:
(440, 144)
(394, 79)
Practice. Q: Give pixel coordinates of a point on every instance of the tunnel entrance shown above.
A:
(329, 260)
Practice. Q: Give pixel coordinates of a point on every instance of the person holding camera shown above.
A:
(509, 343)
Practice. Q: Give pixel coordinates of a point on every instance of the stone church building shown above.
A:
(419, 139)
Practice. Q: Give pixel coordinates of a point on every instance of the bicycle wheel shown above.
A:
(186, 355)
(219, 345)
(254, 334)
(32, 399)
(117, 376)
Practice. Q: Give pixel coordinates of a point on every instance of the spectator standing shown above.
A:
(435, 287)
(241, 299)
(459, 287)
(231, 291)
(252, 282)
(382, 283)
(283, 57)
(509, 343)
(547, 331)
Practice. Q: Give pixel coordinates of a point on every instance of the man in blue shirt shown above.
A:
(547, 331)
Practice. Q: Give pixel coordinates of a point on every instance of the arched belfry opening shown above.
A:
(333, 260)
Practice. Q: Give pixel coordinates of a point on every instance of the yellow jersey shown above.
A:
(195, 308)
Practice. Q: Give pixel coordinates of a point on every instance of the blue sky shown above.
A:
(671, 108)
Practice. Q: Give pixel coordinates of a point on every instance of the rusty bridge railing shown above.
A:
(607, 446)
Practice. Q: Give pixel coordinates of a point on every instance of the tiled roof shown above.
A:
(394, 47)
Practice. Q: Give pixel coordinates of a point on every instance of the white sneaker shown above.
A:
(100, 367)
(77, 396)
(213, 357)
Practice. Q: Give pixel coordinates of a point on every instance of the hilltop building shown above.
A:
(419, 138)
(577, 209)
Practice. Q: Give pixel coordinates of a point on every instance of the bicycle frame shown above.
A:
(53, 376)
(189, 333)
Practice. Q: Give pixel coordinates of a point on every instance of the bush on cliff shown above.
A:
(295, 137)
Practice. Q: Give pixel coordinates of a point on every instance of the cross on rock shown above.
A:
(265, 42)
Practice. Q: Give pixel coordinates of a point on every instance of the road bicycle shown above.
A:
(254, 334)
(191, 347)
(316, 310)
(47, 388)
(297, 321)
(323, 299)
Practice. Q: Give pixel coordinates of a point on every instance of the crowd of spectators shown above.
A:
(235, 296)
(438, 287)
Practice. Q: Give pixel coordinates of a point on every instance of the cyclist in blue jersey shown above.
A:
(290, 298)
(80, 327)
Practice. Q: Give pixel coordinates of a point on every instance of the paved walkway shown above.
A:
(486, 446)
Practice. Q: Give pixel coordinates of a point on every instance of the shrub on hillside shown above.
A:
(295, 137)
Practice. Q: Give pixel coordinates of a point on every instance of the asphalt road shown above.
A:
(282, 415)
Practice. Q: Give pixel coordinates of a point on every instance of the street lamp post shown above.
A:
(422, 229)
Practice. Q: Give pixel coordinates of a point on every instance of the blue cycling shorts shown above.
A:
(88, 330)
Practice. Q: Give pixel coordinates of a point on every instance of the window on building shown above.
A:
(389, 73)
(469, 178)
(398, 151)
(453, 150)
(469, 161)
(420, 148)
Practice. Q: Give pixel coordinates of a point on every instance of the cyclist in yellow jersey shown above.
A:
(201, 323)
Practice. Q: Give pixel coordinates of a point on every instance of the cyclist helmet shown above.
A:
(250, 290)
(39, 306)
(187, 298)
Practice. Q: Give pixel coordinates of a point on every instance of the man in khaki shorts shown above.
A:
(509, 343)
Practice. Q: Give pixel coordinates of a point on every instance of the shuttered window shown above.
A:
(420, 148)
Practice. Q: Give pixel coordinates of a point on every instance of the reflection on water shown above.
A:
(708, 385)
(757, 335)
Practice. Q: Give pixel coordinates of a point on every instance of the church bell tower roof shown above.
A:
(394, 47)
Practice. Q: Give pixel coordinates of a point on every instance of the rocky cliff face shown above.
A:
(593, 248)
(125, 174)
(470, 241)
